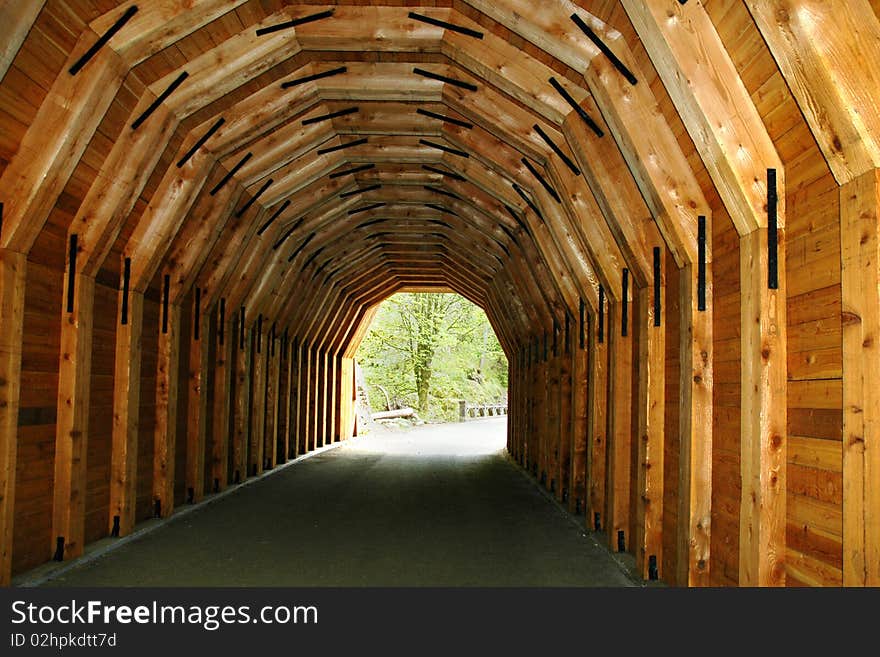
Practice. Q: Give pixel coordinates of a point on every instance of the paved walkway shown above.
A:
(435, 506)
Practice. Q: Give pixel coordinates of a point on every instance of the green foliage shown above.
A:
(430, 350)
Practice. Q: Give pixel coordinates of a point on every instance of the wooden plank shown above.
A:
(167, 384)
(619, 432)
(597, 412)
(860, 253)
(126, 402)
(696, 411)
(258, 400)
(270, 450)
(579, 433)
(72, 418)
(13, 267)
(197, 402)
(242, 417)
(763, 404)
(224, 349)
(648, 541)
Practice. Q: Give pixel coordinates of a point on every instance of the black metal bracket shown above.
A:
(59, 549)
(556, 149)
(445, 119)
(653, 572)
(621, 543)
(159, 100)
(624, 306)
(349, 172)
(597, 522)
(331, 115)
(231, 173)
(201, 142)
(71, 272)
(772, 231)
(582, 324)
(197, 310)
(615, 61)
(360, 191)
(103, 40)
(342, 147)
(274, 216)
(253, 199)
(312, 78)
(126, 275)
(449, 26)
(166, 293)
(461, 84)
(114, 532)
(366, 208)
(601, 321)
(581, 112)
(446, 149)
(221, 328)
(529, 201)
(293, 23)
(534, 171)
(657, 286)
(701, 263)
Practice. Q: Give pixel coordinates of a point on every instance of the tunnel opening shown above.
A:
(434, 357)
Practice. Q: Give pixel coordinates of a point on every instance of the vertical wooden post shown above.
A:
(258, 399)
(223, 368)
(597, 413)
(242, 419)
(763, 404)
(651, 410)
(860, 254)
(333, 433)
(273, 357)
(13, 268)
(305, 372)
(167, 384)
(126, 406)
(580, 434)
(312, 414)
(567, 422)
(293, 418)
(320, 397)
(72, 424)
(617, 487)
(695, 429)
(197, 409)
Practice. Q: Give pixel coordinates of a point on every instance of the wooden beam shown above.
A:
(763, 404)
(273, 374)
(258, 399)
(13, 268)
(126, 406)
(860, 254)
(54, 144)
(619, 432)
(167, 388)
(695, 421)
(242, 416)
(224, 365)
(72, 423)
(197, 401)
(597, 413)
(648, 542)
(712, 101)
(825, 50)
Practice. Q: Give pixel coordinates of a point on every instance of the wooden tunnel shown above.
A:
(667, 208)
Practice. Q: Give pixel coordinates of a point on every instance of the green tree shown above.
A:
(440, 347)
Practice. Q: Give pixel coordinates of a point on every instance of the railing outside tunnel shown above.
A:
(468, 411)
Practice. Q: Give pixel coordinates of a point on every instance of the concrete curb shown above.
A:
(627, 566)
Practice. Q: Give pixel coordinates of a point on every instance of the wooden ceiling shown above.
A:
(251, 149)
